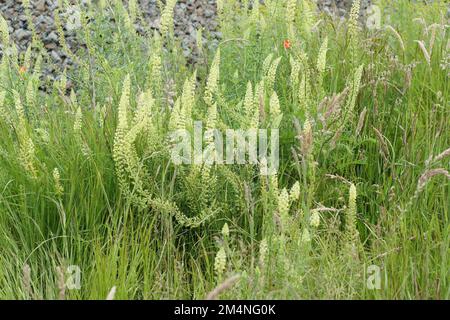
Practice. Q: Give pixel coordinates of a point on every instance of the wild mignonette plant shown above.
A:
(90, 180)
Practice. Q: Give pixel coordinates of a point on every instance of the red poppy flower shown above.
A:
(287, 44)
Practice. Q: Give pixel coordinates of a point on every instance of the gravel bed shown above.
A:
(189, 16)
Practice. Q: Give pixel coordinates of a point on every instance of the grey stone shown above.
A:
(21, 34)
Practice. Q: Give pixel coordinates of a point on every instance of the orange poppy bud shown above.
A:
(22, 69)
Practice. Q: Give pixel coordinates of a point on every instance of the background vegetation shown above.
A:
(86, 176)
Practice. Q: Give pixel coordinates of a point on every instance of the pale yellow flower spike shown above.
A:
(225, 230)
(266, 63)
(132, 9)
(306, 237)
(144, 107)
(294, 193)
(353, 18)
(254, 18)
(124, 104)
(353, 27)
(314, 219)
(211, 120)
(4, 31)
(263, 249)
(220, 262)
(249, 103)
(351, 232)
(25, 142)
(307, 17)
(59, 190)
(322, 57)
(356, 84)
(274, 106)
(3, 113)
(271, 73)
(283, 207)
(30, 94)
(155, 67)
(167, 18)
(102, 4)
(258, 104)
(19, 109)
(77, 124)
(177, 119)
(188, 98)
(291, 8)
(212, 83)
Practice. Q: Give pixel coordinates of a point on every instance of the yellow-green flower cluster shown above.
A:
(306, 237)
(225, 231)
(307, 17)
(314, 220)
(258, 104)
(255, 18)
(355, 85)
(155, 72)
(4, 31)
(124, 157)
(25, 141)
(77, 124)
(27, 58)
(177, 117)
(353, 27)
(30, 95)
(267, 63)
(322, 61)
(294, 193)
(144, 108)
(251, 106)
(283, 207)
(3, 113)
(59, 190)
(351, 231)
(167, 18)
(274, 105)
(263, 249)
(132, 9)
(188, 99)
(220, 262)
(212, 83)
(181, 116)
(102, 4)
(291, 7)
(271, 73)
(211, 120)
(307, 139)
(37, 67)
(123, 104)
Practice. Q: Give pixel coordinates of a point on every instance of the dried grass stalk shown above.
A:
(227, 284)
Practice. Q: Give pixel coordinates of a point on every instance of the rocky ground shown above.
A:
(190, 15)
(340, 7)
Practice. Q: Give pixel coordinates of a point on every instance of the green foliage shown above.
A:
(87, 178)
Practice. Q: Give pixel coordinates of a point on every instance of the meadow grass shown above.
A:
(87, 179)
